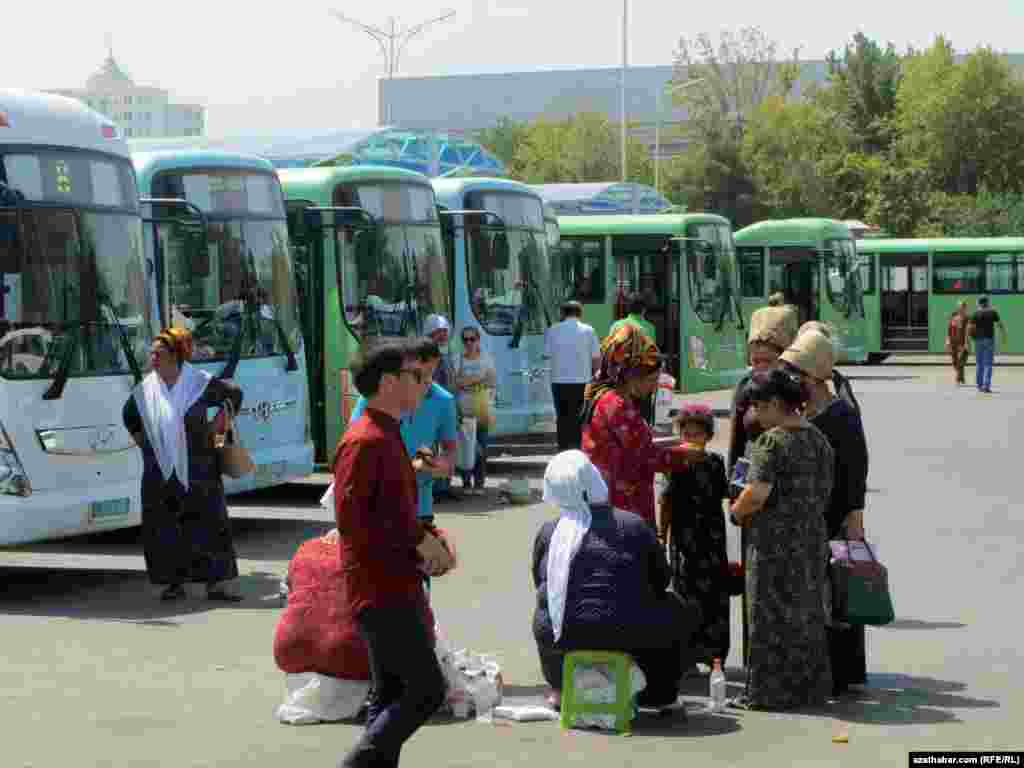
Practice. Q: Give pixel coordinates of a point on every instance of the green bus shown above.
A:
(371, 263)
(683, 264)
(814, 264)
(912, 286)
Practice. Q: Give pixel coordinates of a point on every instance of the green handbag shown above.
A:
(860, 592)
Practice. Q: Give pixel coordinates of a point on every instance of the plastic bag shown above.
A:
(465, 449)
(473, 680)
(663, 401)
(313, 698)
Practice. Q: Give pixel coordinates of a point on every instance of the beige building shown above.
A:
(140, 111)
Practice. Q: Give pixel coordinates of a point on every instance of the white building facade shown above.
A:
(140, 111)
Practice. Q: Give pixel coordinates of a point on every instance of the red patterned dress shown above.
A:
(621, 445)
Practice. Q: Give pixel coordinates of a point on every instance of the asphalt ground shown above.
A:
(97, 672)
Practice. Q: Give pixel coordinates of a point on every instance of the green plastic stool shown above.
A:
(621, 665)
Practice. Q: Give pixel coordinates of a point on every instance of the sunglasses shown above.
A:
(470, 339)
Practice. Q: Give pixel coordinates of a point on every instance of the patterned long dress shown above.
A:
(787, 548)
(620, 444)
(699, 559)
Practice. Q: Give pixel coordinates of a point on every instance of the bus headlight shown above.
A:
(13, 480)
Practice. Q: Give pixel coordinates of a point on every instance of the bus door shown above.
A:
(904, 289)
(796, 273)
(649, 264)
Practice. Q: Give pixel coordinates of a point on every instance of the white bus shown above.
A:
(74, 327)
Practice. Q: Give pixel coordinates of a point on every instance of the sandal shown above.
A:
(173, 592)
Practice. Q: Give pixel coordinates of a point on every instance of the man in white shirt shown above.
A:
(575, 354)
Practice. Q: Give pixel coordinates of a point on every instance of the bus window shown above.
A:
(957, 273)
(751, 261)
(709, 267)
(999, 273)
(866, 269)
(582, 269)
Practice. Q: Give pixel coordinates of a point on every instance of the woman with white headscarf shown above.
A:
(185, 531)
(602, 580)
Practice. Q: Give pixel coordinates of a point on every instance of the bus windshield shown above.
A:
(710, 256)
(72, 283)
(510, 280)
(241, 281)
(842, 277)
(390, 277)
(392, 272)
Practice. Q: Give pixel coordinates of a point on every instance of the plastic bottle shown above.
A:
(717, 686)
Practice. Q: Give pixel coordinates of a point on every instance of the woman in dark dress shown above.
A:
(811, 356)
(185, 529)
(602, 581)
(693, 521)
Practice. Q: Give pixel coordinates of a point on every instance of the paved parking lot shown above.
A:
(96, 672)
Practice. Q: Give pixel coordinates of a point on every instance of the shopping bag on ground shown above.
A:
(465, 448)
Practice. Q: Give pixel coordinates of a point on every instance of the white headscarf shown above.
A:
(572, 483)
(163, 415)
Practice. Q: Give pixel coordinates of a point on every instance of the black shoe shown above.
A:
(173, 592)
(221, 596)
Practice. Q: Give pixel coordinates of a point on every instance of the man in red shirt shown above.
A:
(386, 553)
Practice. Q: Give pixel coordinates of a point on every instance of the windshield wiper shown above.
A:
(133, 364)
(60, 379)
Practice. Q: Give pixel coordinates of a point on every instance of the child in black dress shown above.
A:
(693, 524)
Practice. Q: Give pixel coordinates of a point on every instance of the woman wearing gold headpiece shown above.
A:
(812, 357)
(772, 329)
(185, 531)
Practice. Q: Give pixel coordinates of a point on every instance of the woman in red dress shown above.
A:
(615, 435)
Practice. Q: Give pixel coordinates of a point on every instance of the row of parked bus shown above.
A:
(281, 275)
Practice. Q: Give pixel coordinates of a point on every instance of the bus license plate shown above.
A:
(103, 510)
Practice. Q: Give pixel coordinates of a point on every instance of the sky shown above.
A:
(292, 68)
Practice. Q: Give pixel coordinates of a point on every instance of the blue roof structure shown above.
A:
(602, 198)
(431, 153)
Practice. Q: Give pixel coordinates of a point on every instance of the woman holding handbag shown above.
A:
(475, 380)
(185, 529)
(811, 357)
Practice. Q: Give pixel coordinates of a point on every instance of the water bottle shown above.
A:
(717, 686)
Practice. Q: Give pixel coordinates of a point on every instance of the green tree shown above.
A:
(585, 147)
(503, 139)
(963, 121)
(737, 74)
(900, 202)
(864, 83)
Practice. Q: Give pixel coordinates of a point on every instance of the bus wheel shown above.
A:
(876, 358)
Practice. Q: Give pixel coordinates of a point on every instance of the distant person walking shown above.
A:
(956, 341)
(984, 322)
(575, 354)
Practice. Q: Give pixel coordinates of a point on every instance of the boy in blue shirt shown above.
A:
(432, 423)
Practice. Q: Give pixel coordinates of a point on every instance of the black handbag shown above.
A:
(860, 591)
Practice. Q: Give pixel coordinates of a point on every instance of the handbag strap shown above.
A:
(866, 546)
(229, 426)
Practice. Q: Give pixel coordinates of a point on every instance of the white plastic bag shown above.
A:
(663, 401)
(465, 450)
(473, 680)
(313, 698)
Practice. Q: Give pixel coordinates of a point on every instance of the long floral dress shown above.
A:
(621, 445)
(699, 559)
(787, 549)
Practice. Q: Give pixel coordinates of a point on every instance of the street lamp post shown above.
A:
(657, 122)
(392, 42)
(622, 89)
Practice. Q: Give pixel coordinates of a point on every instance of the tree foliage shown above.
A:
(585, 147)
(503, 139)
(864, 83)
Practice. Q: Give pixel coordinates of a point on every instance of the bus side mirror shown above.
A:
(501, 253)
